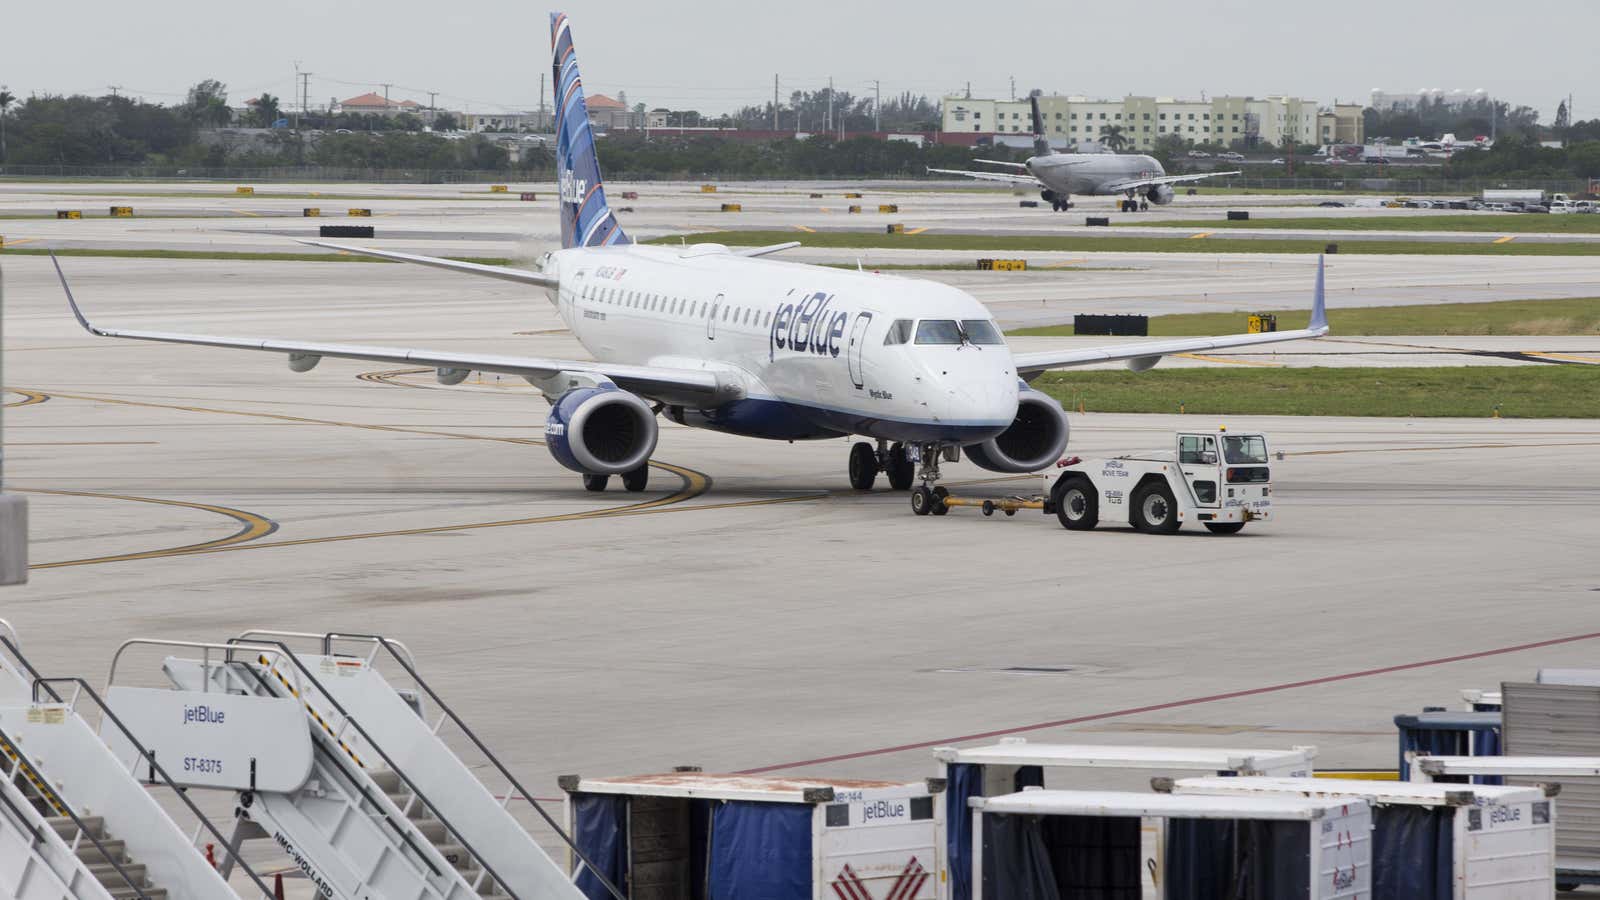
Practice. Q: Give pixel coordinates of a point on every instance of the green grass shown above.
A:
(984, 243)
(1563, 316)
(1503, 223)
(1554, 391)
(224, 254)
(289, 195)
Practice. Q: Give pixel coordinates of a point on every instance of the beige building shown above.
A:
(1223, 121)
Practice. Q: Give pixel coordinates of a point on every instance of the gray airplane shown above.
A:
(1060, 175)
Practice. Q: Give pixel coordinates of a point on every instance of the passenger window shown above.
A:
(899, 332)
(938, 331)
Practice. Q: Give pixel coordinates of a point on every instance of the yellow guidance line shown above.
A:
(1203, 234)
(1505, 240)
(915, 230)
(1565, 357)
(1230, 360)
(12, 242)
(805, 229)
(252, 526)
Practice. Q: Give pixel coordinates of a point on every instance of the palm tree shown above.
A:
(1113, 138)
(6, 98)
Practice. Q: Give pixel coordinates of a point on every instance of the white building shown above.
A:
(1141, 121)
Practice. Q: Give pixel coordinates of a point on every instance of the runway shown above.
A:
(749, 612)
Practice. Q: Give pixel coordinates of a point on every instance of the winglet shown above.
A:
(1319, 308)
(72, 302)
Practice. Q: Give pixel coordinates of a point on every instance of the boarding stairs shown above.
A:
(75, 822)
(389, 811)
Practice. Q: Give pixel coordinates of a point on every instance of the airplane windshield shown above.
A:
(938, 331)
(981, 331)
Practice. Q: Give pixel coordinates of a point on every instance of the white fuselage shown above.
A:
(807, 344)
(1088, 174)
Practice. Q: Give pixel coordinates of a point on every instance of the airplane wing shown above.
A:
(1145, 354)
(1129, 184)
(701, 387)
(1001, 162)
(991, 176)
(504, 273)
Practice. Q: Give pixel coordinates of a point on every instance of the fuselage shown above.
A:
(819, 352)
(1089, 173)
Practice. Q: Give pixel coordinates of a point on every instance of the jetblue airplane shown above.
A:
(729, 340)
(1060, 175)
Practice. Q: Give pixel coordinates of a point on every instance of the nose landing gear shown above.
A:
(928, 498)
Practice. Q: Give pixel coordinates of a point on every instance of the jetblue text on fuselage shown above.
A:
(807, 327)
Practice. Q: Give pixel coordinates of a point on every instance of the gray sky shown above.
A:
(716, 57)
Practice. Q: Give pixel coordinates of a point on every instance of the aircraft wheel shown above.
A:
(922, 501)
(596, 483)
(939, 508)
(637, 479)
(901, 472)
(863, 466)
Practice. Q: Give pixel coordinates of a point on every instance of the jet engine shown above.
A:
(601, 430)
(1047, 195)
(1160, 194)
(1034, 441)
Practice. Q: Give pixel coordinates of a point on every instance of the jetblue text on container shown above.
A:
(203, 715)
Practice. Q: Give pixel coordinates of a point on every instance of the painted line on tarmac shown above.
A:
(1203, 234)
(29, 398)
(1176, 704)
(1565, 357)
(16, 241)
(1445, 447)
(251, 527)
(916, 230)
(806, 229)
(1229, 360)
(1504, 240)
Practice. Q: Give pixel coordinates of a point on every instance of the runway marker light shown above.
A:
(1497, 411)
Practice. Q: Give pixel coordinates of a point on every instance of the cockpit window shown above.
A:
(938, 331)
(899, 332)
(981, 331)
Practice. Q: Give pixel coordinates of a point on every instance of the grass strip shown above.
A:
(227, 255)
(1500, 223)
(1560, 316)
(1554, 391)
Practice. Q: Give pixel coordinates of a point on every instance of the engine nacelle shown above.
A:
(1035, 440)
(601, 431)
(1160, 194)
(1047, 195)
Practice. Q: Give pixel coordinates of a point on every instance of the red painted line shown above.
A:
(1174, 704)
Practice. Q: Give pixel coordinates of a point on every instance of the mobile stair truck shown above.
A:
(1431, 841)
(77, 822)
(1015, 763)
(341, 769)
(1048, 843)
(687, 834)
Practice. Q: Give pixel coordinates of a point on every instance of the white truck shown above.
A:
(1219, 479)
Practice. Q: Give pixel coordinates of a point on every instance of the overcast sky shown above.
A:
(716, 57)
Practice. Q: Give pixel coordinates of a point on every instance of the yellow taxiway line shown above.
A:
(1230, 360)
(1203, 234)
(1505, 240)
(12, 242)
(251, 526)
(805, 229)
(1565, 357)
(915, 230)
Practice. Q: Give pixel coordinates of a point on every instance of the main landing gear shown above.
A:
(1132, 203)
(866, 462)
(928, 497)
(1058, 202)
(634, 481)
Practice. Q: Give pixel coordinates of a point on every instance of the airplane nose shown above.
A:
(981, 392)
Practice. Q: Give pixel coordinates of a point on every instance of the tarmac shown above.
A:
(749, 612)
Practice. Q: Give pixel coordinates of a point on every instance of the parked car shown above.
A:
(1199, 154)
(1559, 206)
(1231, 156)
(1277, 161)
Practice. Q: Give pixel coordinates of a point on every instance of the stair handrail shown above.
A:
(10, 643)
(326, 639)
(40, 831)
(228, 648)
(9, 746)
(406, 662)
(388, 760)
(146, 756)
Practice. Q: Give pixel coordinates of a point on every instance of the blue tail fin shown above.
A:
(586, 220)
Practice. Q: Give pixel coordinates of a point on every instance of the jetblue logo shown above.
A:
(884, 809)
(573, 189)
(202, 715)
(809, 326)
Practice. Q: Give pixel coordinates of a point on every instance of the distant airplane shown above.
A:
(1060, 175)
(723, 339)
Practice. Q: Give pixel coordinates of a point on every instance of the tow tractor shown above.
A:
(1220, 479)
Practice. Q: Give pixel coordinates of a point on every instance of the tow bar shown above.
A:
(1008, 505)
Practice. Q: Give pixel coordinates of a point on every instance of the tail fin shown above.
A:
(586, 220)
(1041, 146)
